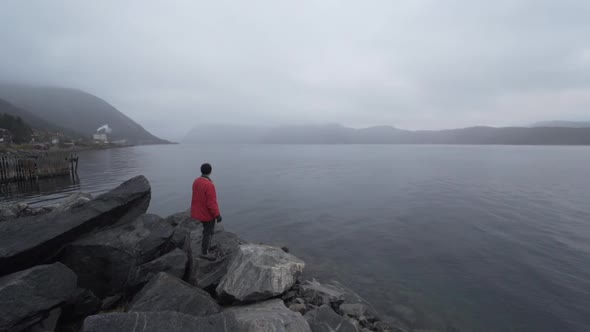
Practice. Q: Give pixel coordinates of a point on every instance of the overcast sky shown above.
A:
(415, 64)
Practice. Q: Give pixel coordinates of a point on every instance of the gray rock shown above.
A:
(158, 322)
(383, 327)
(353, 309)
(289, 295)
(407, 314)
(83, 303)
(320, 294)
(27, 297)
(350, 297)
(168, 293)
(20, 210)
(269, 316)
(106, 261)
(173, 263)
(391, 325)
(177, 218)
(204, 273)
(324, 319)
(37, 211)
(183, 225)
(111, 302)
(17, 210)
(259, 272)
(48, 322)
(73, 201)
(7, 212)
(20, 207)
(298, 307)
(33, 240)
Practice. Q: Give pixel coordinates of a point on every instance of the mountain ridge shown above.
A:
(563, 124)
(75, 110)
(330, 134)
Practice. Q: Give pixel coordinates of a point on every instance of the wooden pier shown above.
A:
(14, 168)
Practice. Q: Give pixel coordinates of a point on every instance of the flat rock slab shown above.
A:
(158, 322)
(173, 263)
(204, 273)
(168, 293)
(106, 261)
(259, 272)
(269, 316)
(31, 241)
(324, 319)
(27, 297)
(353, 309)
(319, 294)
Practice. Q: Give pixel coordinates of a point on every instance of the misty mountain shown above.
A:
(334, 134)
(564, 124)
(226, 134)
(74, 110)
(29, 118)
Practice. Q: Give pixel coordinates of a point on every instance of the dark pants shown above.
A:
(208, 230)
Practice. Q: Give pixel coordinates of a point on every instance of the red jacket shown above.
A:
(204, 205)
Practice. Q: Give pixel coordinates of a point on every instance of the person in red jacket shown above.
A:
(204, 207)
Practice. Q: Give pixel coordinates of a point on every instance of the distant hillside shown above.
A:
(29, 118)
(74, 110)
(564, 124)
(334, 134)
(20, 131)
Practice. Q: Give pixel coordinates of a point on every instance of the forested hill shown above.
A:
(75, 110)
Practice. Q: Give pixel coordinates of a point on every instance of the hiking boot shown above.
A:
(207, 256)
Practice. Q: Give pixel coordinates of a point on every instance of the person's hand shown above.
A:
(218, 219)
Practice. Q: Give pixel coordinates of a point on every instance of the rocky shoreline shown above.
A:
(103, 264)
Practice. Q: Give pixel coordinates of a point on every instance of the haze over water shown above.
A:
(481, 238)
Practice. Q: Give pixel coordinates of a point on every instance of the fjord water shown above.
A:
(480, 238)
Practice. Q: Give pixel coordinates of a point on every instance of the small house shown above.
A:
(100, 138)
(5, 136)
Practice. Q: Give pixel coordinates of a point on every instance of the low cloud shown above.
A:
(413, 64)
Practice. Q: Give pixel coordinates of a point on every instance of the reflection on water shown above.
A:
(44, 190)
(484, 238)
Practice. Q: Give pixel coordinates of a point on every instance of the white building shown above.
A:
(102, 138)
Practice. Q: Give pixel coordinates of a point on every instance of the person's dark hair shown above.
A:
(206, 169)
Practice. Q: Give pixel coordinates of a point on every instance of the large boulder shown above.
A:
(106, 261)
(204, 273)
(324, 319)
(183, 226)
(259, 272)
(271, 315)
(168, 293)
(31, 241)
(29, 297)
(158, 322)
(173, 263)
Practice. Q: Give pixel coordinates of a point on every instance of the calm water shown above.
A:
(482, 238)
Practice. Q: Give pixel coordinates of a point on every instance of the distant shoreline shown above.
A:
(19, 150)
